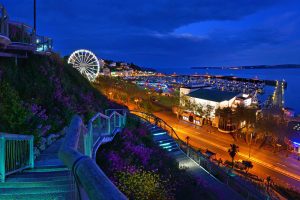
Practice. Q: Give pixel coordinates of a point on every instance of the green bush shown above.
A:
(13, 115)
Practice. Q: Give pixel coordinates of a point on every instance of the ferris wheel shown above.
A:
(86, 63)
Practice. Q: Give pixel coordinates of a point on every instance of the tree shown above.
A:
(199, 109)
(247, 116)
(208, 111)
(268, 182)
(273, 126)
(248, 165)
(225, 117)
(234, 149)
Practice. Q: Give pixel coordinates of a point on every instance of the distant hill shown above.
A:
(282, 66)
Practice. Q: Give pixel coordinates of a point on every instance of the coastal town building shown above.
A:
(243, 100)
(122, 73)
(101, 62)
(113, 64)
(210, 97)
(106, 71)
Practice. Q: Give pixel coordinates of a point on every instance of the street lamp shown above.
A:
(136, 100)
(187, 144)
(110, 95)
(34, 16)
(250, 144)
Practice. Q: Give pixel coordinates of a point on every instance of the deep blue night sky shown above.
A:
(171, 33)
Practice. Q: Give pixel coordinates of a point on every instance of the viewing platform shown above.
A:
(17, 39)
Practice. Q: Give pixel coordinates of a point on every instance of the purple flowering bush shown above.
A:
(46, 92)
(140, 168)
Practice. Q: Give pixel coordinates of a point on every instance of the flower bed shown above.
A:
(142, 170)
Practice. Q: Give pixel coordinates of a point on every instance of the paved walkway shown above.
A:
(210, 183)
(49, 157)
(48, 180)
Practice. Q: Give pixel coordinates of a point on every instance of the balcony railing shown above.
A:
(21, 34)
(16, 153)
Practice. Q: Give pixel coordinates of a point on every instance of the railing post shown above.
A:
(31, 153)
(2, 159)
(99, 123)
(88, 140)
(115, 123)
(124, 119)
(108, 125)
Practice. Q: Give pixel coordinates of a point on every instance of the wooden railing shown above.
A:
(16, 153)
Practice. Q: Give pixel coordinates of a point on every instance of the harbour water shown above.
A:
(291, 76)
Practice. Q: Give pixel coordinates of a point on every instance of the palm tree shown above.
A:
(268, 182)
(248, 165)
(234, 149)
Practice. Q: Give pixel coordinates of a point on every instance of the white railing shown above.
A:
(102, 125)
(91, 182)
(16, 153)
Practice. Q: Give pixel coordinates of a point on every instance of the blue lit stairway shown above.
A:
(162, 138)
(49, 179)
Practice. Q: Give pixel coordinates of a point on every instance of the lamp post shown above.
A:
(34, 17)
(110, 95)
(187, 145)
(250, 144)
(136, 100)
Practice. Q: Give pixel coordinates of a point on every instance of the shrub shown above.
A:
(13, 115)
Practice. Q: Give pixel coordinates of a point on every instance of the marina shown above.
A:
(262, 91)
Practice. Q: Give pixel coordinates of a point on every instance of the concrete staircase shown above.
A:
(49, 180)
(162, 138)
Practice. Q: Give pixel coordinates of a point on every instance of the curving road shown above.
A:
(282, 169)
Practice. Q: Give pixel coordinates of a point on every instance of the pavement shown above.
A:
(282, 169)
(209, 182)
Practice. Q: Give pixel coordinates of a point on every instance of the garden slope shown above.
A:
(41, 93)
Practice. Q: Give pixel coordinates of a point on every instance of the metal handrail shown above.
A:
(16, 153)
(101, 141)
(90, 177)
(158, 120)
(89, 143)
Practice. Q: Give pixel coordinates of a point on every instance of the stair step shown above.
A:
(51, 162)
(174, 150)
(164, 140)
(161, 138)
(34, 179)
(47, 169)
(169, 147)
(39, 174)
(168, 144)
(35, 190)
(158, 131)
(46, 196)
(35, 184)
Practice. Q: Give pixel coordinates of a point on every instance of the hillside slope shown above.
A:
(41, 93)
